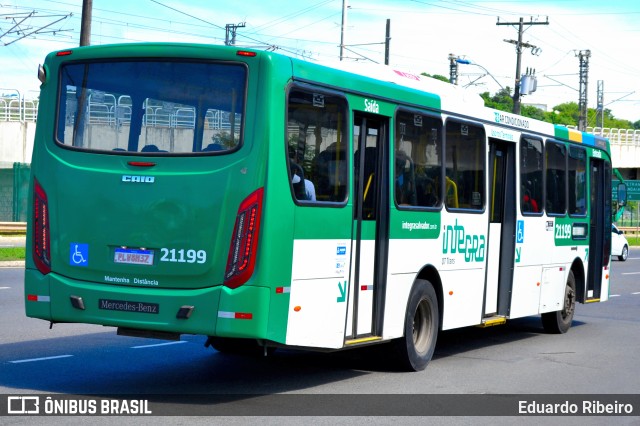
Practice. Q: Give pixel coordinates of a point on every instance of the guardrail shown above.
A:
(630, 230)
(13, 227)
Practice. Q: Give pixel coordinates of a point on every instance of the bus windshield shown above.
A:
(151, 107)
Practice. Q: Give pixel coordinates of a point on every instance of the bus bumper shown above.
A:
(216, 311)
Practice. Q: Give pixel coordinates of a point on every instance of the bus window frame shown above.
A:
(456, 119)
(586, 186)
(309, 88)
(441, 173)
(59, 92)
(541, 206)
(566, 177)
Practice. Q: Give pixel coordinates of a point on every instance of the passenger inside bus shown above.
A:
(303, 189)
(529, 204)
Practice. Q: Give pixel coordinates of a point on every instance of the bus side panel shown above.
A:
(527, 275)
(407, 256)
(525, 298)
(318, 304)
(37, 296)
(462, 294)
(553, 288)
(398, 288)
(243, 312)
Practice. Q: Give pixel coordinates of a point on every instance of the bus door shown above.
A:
(502, 228)
(599, 228)
(370, 227)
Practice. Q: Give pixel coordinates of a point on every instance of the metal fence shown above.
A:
(18, 108)
(14, 192)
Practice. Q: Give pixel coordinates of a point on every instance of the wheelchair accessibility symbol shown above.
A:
(78, 254)
(520, 232)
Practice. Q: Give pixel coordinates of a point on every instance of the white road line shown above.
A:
(614, 295)
(5, 288)
(39, 359)
(637, 292)
(159, 344)
(630, 273)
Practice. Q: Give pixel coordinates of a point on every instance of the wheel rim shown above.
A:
(569, 304)
(625, 252)
(422, 327)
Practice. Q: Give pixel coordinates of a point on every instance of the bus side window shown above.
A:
(556, 170)
(418, 160)
(465, 146)
(316, 148)
(531, 170)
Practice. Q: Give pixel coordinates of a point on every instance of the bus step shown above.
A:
(491, 321)
(595, 300)
(362, 340)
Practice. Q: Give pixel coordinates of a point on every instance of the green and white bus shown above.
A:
(256, 198)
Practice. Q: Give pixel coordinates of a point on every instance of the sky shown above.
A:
(423, 35)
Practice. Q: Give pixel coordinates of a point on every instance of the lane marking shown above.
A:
(629, 273)
(4, 288)
(159, 344)
(614, 295)
(637, 292)
(40, 359)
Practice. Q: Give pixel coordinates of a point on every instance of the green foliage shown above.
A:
(12, 253)
(437, 77)
(502, 100)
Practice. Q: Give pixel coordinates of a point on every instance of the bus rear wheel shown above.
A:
(560, 321)
(421, 325)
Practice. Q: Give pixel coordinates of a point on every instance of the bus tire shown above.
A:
(560, 321)
(421, 325)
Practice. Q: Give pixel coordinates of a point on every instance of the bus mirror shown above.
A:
(622, 194)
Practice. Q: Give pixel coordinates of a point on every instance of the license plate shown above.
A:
(133, 256)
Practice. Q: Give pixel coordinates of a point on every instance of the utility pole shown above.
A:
(453, 69)
(230, 35)
(600, 107)
(519, 45)
(584, 56)
(387, 42)
(343, 27)
(85, 26)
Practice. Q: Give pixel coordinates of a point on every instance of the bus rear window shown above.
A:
(151, 107)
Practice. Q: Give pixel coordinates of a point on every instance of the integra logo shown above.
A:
(138, 179)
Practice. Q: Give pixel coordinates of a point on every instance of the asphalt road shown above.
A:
(599, 355)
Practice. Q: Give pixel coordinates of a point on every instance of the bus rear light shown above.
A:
(246, 53)
(41, 233)
(244, 241)
(64, 53)
(141, 163)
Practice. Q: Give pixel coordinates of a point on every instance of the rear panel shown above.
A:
(140, 166)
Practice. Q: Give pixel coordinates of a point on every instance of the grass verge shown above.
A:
(11, 253)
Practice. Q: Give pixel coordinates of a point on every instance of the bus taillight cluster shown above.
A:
(41, 235)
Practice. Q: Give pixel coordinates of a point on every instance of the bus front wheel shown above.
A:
(421, 325)
(560, 321)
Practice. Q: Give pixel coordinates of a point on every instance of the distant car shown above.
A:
(619, 244)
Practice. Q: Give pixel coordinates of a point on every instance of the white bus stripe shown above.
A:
(40, 359)
(158, 344)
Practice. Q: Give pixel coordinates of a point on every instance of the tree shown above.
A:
(437, 77)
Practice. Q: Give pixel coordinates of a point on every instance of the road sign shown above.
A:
(633, 190)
